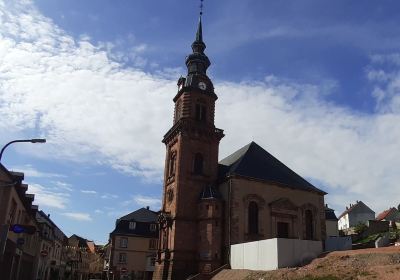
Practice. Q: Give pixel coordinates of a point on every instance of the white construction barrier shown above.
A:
(274, 253)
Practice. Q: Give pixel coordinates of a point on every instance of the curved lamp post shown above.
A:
(21, 141)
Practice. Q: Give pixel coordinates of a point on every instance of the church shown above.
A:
(209, 205)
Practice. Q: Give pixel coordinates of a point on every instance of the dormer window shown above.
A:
(132, 225)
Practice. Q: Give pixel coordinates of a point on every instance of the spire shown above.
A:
(198, 62)
(199, 33)
(198, 45)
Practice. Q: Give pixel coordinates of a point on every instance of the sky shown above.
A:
(314, 82)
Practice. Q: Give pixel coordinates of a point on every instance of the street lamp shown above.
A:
(39, 140)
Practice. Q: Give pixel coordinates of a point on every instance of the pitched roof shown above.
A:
(353, 206)
(385, 213)
(254, 162)
(141, 215)
(144, 217)
(82, 242)
(210, 192)
(330, 214)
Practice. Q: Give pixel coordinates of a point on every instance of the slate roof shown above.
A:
(210, 192)
(143, 215)
(330, 214)
(252, 161)
(82, 242)
(143, 218)
(353, 206)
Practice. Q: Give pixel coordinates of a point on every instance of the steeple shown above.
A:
(198, 45)
(198, 62)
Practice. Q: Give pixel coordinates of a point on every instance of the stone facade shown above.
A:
(277, 204)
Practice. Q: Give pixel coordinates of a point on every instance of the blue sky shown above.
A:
(316, 83)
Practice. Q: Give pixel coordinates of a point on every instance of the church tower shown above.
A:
(191, 206)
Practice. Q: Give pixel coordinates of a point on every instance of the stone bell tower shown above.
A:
(191, 169)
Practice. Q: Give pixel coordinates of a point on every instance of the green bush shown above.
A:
(360, 228)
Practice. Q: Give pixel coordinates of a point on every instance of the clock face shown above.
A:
(202, 86)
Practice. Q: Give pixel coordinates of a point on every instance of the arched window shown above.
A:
(253, 218)
(309, 225)
(198, 164)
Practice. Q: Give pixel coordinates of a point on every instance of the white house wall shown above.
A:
(343, 222)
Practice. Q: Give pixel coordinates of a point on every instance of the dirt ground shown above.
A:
(379, 263)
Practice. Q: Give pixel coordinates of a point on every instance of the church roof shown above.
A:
(252, 161)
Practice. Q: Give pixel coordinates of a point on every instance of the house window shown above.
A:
(122, 258)
(253, 218)
(200, 112)
(153, 227)
(132, 225)
(153, 244)
(309, 225)
(123, 242)
(198, 164)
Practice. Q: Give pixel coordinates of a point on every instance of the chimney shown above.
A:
(48, 215)
(147, 207)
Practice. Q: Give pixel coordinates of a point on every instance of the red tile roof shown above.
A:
(384, 214)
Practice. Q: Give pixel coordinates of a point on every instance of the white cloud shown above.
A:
(30, 172)
(142, 200)
(109, 196)
(89, 106)
(84, 217)
(98, 211)
(63, 185)
(46, 197)
(88, 192)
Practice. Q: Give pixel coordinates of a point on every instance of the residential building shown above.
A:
(208, 205)
(96, 266)
(331, 221)
(134, 245)
(392, 215)
(82, 259)
(51, 263)
(355, 214)
(18, 251)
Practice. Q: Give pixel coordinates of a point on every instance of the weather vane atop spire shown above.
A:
(201, 7)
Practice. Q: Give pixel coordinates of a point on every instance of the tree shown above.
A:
(360, 228)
